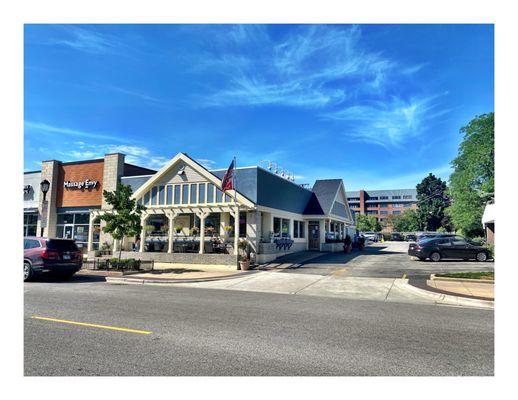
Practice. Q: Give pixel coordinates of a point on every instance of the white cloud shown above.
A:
(209, 164)
(296, 71)
(388, 123)
(87, 40)
(60, 131)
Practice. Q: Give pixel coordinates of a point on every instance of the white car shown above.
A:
(370, 236)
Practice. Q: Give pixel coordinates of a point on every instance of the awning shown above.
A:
(489, 214)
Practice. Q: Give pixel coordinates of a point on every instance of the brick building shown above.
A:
(382, 203)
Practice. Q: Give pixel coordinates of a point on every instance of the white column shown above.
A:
(170, 247)
(236, 231)
(143, 233)
(202, 216)
(90, 232)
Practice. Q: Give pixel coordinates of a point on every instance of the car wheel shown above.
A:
(27, 271)
(481, 256)
(435, 256)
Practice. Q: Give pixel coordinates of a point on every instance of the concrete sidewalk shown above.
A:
(469, 289)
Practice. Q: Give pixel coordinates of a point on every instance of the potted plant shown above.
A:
(149, 228)
(195, 230)
(178, 228)
(244, 257)
(228, 229)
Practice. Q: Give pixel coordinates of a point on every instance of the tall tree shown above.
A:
(472, 183)
(406, 222)
(432, 201)
(124, 219)
(367, 223)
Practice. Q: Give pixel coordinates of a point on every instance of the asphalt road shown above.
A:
(218, 332)
(379, 260)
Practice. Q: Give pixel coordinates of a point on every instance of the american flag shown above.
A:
(227, 182)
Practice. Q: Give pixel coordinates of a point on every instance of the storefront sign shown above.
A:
(27, 189)
(86, 184)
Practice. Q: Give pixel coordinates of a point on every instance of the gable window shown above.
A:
(161, 195)
(146, 199)
(169, 194)
(201, 193)
(194, 189)
(177, 190)
(185, 194)
(153, 195)
(210, 193)
(219, 196)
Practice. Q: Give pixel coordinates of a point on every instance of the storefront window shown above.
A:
(75, 226)
(281, 225)
(30, 221)
(242, 223)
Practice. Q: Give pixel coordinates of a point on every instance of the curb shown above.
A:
(167, 282)
(445, 278)
(445, 299)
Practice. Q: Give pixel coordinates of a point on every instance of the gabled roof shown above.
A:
(326, 190)
(182, 157)
(313, 207)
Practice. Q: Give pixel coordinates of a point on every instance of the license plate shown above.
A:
(66, 257)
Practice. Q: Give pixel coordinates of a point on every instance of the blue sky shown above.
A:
(379, 106)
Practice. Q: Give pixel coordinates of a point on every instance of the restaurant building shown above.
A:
(188, 218)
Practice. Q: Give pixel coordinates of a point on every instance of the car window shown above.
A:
(444, 242)
(33, 244)
(25, 244)
(457, 240)
(61, 245)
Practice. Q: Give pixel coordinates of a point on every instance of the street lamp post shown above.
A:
(44, 186)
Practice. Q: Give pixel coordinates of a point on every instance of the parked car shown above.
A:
(398, 237)
(411, 237)
(372, 236)
(47, 255)
(430, 235)
(439, 248)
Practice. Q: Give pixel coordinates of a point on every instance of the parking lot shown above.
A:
(378, 260)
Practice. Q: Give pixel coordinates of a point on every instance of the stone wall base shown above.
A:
(187, 258)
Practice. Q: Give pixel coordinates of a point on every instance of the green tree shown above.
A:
(124, 218)
(367, 223)
(472, 183)
(432, 201)
(406, 222)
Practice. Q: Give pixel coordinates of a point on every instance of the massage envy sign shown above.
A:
(86, 184)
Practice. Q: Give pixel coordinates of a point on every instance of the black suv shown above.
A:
(439, 248)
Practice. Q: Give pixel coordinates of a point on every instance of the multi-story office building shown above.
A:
(382, 203)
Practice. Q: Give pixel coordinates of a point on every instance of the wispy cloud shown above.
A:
(134, 93)
(40, 127)
(304, 69)
(138, 155)
(86, 40)
(387, 123)
(209, 164)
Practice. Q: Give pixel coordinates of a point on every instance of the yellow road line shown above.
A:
(112, 328)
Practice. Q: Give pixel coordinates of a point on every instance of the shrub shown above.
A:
(478, 240)
(491, 248)
(387, 236)
(125, 263)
